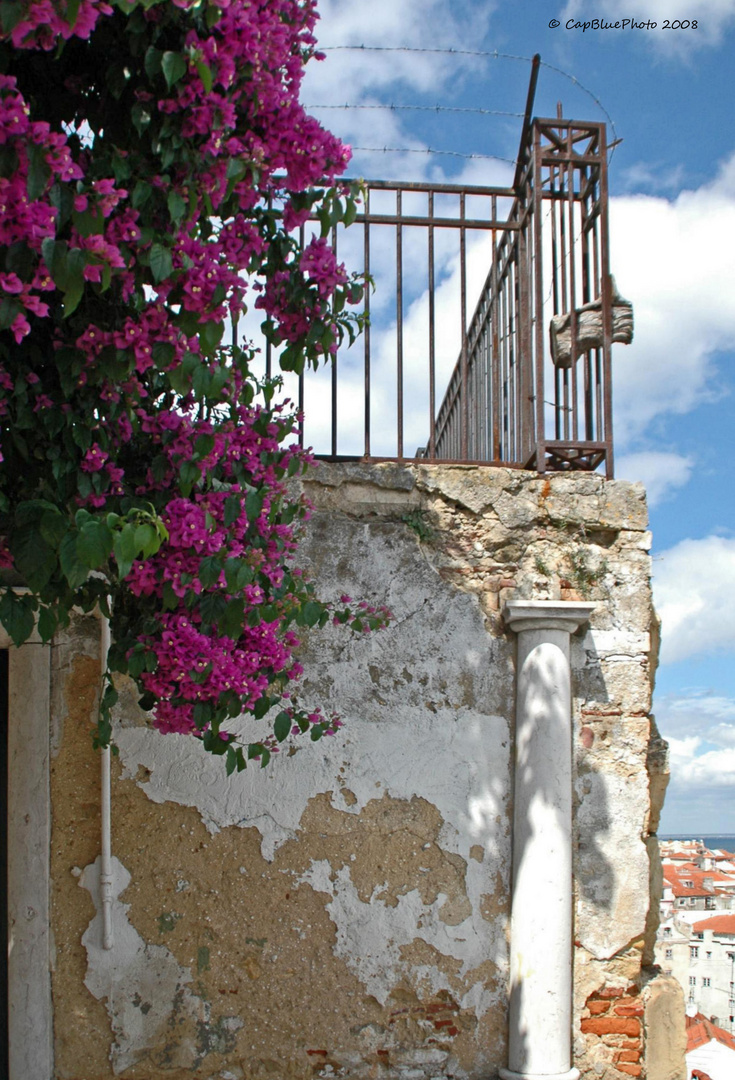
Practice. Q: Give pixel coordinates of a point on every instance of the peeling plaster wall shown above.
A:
(345, 911)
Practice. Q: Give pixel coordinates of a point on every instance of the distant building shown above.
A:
(699, 952)
(710, 1050)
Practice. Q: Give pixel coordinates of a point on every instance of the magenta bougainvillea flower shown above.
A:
(156, 172)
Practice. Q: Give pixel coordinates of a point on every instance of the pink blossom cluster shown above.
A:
(193, 665)
(22, 218)
(148, 257)
(46, 21)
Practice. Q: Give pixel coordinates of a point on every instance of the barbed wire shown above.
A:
(424, 108)
(429, 150)
(487, 54)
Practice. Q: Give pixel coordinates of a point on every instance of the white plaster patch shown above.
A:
(457, 763)
(143, 985)
(370, 937)
(469, 789)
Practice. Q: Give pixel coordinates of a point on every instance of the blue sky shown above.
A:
(670, 95)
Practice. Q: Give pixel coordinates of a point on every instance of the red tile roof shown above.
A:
(701, 1031)
(719, 924)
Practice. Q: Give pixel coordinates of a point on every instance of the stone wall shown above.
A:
(345, 911)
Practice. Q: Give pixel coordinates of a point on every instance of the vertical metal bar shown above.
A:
(366, 332)
(597, 289)
(334, 369)
(589, 419)
(464, 418)
(538, 288)
(606, 307)
(302, 419)
(558, 382)
(432, 336)
(572, 283)
(399, 321)
(106, 877)
(268, 346)
(496, 452)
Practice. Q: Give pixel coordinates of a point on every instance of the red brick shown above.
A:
(611, 1025)
(598, 1007)
(611, 992)
(631, 1044)
(628, 1055)
(629, 1010)
(630, 1070)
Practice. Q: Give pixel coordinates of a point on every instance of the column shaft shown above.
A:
(540, 1010)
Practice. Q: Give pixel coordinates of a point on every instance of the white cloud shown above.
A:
(700, 729)
(412, 23)
(712, 17)
(713, 768)
(660, 471)
(674, 260)
(694, 593)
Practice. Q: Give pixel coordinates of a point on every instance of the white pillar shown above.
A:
(540, 1011)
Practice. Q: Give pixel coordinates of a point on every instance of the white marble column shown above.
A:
(540, 1015)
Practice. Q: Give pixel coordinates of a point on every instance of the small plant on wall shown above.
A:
(155, 167)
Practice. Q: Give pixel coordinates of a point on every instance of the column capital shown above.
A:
(566, 615)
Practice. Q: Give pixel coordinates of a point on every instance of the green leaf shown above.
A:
(8, 311)
(38, 171)
(11, 12)
(34, 558)
(203, 445)
(231, 761)
(16, 615)
(94, 544)
(233, 509)
(54, 255)
(177, 205)
(19, 259)
(230, 624)
(47, 623)
(72, 10)
(210, 569)
(282, 726)
(210, 335)
(141, 194)
(152, 62)
(174, 66)
(89, 222)
(161, 264)
(125, 549)
(146, 540)
(253, 505)
(311, 612)
(212, 606)
(75, 570)
(74, 286)
(261, 707)
(205, 74)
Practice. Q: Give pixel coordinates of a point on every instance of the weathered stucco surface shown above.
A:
(345, 911)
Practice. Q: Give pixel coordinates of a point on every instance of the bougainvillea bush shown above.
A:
(156, 168)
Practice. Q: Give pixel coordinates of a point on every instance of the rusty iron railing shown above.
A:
(525, 380)
(532, 386)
